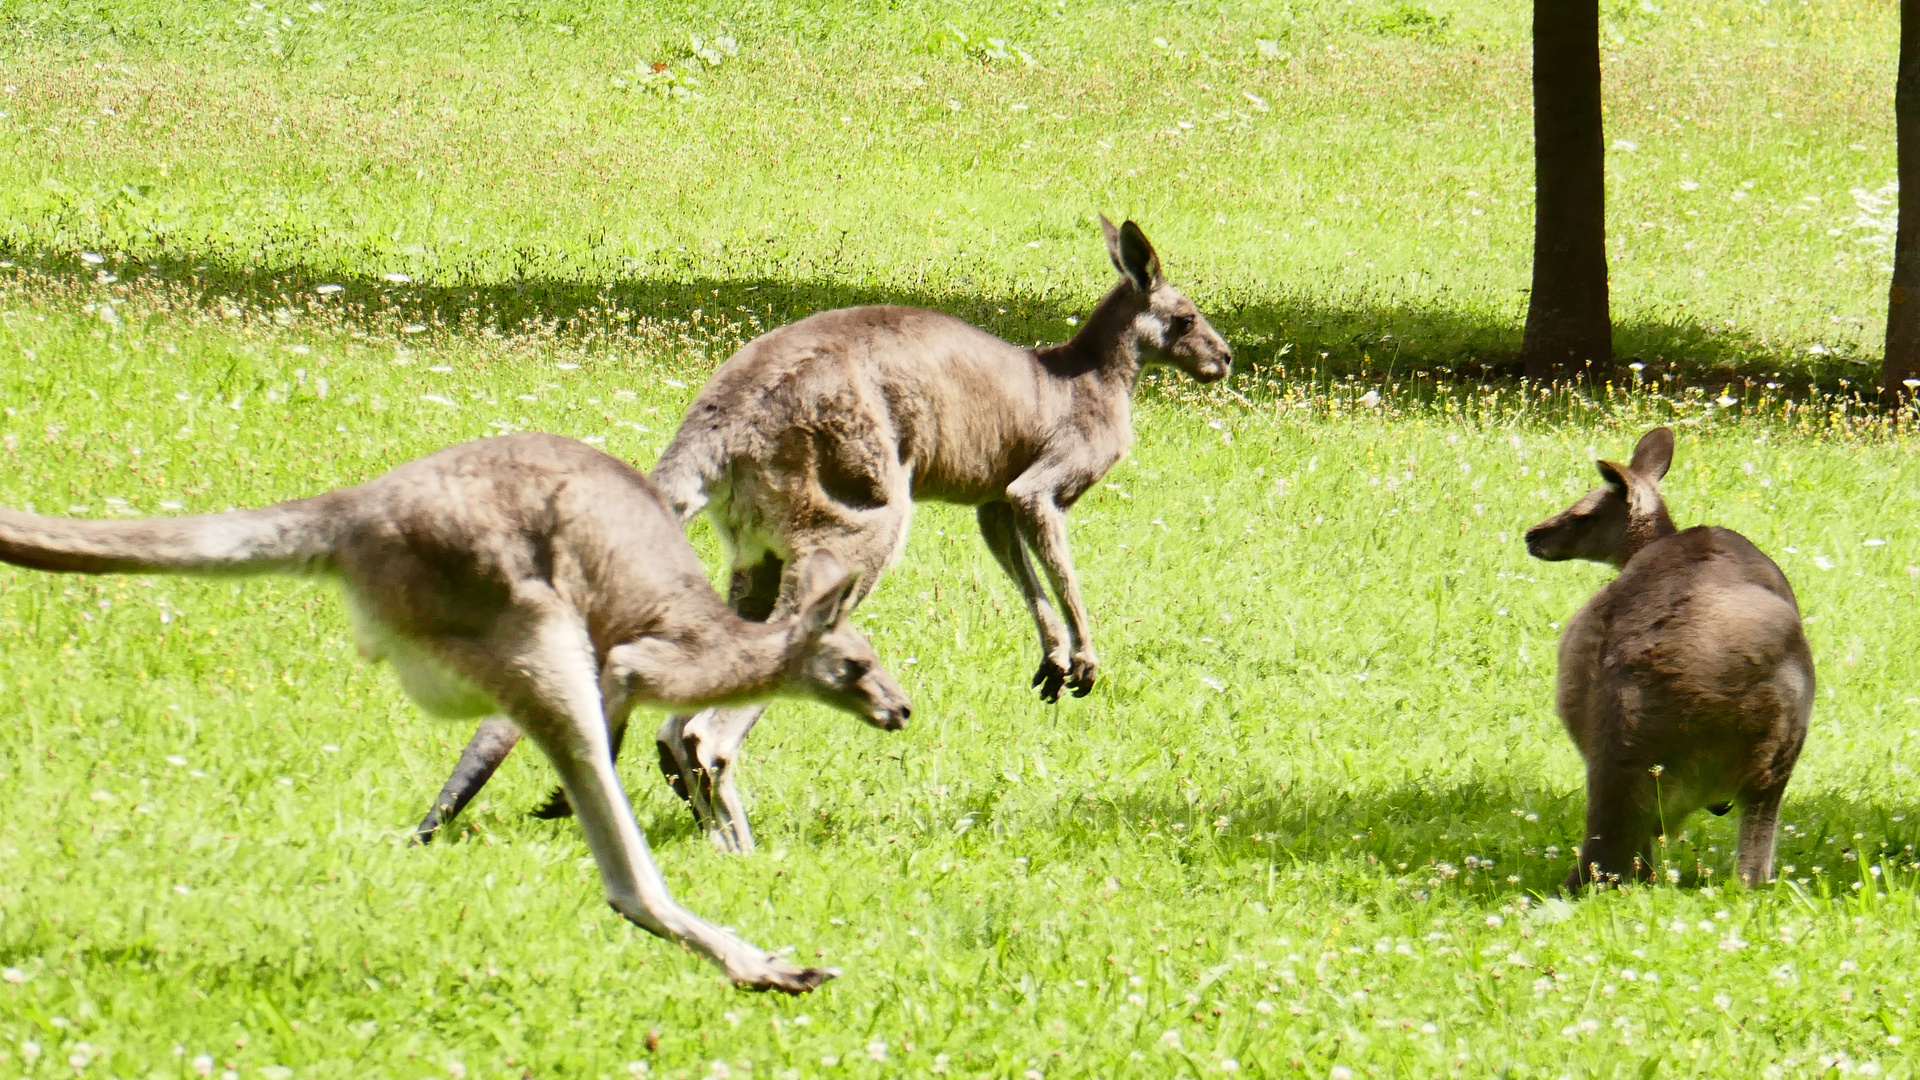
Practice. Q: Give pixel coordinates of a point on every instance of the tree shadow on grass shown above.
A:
(1290, 332)
(1476, 838)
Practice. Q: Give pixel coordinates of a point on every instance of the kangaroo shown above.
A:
(823, 433)
(535, 577)
(1685, 682)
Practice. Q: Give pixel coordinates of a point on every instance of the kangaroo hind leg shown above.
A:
(753, 590)
(1759, 831)
(1002, 534)
(714, 739)
(1622, 820)
(490, 745)
(556, 701)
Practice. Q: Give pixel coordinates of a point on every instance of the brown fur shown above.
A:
(534, 577)
(1686, 682)
(824, 433)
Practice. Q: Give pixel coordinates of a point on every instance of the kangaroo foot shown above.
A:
(555, 807)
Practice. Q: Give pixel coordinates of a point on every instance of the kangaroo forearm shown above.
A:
(1043, 527)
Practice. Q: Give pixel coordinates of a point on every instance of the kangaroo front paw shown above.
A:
(1080, 678)
(1050, 678)
(775, 974)
(555, 807)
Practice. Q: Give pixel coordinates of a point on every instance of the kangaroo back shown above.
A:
(295, 536)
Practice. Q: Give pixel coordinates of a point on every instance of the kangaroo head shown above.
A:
(835, 664)
(1614, 521)
(1167, 328)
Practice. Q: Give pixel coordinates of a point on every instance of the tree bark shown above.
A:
(1903, 298)
(1569, 331)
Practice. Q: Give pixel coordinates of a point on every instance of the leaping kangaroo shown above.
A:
(822, 434)
(535, 577)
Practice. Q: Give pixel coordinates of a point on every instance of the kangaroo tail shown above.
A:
(297, 535)
(689, 468)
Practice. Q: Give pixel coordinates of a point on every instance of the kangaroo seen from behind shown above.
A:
(1685, 682)
(536, 578)
(823, 433)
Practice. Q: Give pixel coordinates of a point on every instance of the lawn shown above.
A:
(1310, 821)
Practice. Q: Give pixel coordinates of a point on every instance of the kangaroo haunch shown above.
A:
(1686, 682)
(534, 577)
(823, 433)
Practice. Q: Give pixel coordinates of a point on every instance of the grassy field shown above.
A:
(1310, 821)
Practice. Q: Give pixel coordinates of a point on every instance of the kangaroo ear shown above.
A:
(1615, 475)
(1654, 455)
(1132, 255)
(825, 587)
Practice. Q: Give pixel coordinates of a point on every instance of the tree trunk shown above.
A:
(1569, 332)
(1903, 299)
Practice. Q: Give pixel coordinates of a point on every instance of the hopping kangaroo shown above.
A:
(1686, 682)
(822, 434)
(537, 577)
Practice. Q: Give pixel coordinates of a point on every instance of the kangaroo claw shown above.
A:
(555, 807)
(1050, 678)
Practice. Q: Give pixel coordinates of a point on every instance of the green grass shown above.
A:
(1311, 817)
(1358, 185)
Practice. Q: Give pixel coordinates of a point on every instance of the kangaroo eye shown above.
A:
(1179, 325)
(853, 669)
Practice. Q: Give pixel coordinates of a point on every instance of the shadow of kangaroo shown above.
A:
(823, 433)
(536, 577)
(1685, 682)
